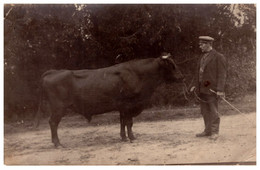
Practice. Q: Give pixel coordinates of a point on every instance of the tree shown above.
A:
(42, 37)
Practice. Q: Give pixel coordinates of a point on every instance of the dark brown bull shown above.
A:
(125, 87)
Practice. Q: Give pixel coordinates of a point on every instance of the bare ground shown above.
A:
(158, 142)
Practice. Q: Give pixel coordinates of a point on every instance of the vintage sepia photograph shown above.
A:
(129, 84)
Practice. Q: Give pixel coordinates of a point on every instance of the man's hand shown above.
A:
(221, 94)
(192, 88)
(218, 93)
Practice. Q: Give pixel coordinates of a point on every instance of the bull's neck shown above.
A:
(150, 74)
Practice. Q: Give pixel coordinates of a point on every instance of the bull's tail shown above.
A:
(43, 97)
(40, 111)
(38, 115)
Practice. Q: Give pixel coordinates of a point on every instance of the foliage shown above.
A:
(42, 37)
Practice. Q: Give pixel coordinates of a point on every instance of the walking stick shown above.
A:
(230, 104)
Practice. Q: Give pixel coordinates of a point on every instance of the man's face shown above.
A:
(204, 46)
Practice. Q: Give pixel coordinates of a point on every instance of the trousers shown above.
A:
(209, 111)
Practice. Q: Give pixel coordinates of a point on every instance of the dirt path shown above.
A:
(164, 142)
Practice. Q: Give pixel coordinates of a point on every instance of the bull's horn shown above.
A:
(165, 57)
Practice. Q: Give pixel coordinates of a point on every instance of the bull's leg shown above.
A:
(129, 125)
(54, 122)
(122, 129)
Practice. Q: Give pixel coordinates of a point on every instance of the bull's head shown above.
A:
(171, 72)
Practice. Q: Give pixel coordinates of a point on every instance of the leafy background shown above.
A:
(67, 36)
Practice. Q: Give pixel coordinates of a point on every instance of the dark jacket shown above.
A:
(214, 74)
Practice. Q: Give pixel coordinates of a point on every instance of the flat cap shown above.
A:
(206, 38)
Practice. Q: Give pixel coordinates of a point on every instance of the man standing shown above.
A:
(209, 85)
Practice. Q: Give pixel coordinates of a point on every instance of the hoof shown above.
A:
(124, 139)
(132, 138)
(59, 146)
